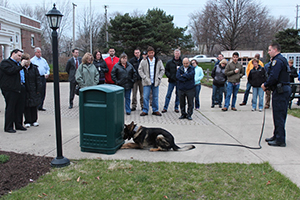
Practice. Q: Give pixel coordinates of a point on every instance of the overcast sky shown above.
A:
(178, 8)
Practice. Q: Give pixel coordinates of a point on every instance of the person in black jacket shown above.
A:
(10, 84)
(124, 75)
(135, 61)
(101, 66)
(219, 80)
(186, 88)
(256, 78)
(33, 86)
(293, 73)
(72, 66)
(170, 71)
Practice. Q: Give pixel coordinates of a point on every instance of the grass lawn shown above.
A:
(108, 179)
(295, 112)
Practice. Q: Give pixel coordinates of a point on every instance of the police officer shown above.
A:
(278, 81)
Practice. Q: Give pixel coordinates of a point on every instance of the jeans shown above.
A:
(231, 89)
(146, 92)
(169, 94)
(127, 100)
(197, 92)
(217, 95)
(247, 93)
(257, 91)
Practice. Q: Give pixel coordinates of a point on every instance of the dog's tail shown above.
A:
(184, 148)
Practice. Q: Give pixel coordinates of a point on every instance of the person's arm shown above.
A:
(104, 67)
(167, 69)
(78, 76)
(141, 69)
(161, 69)
(68, 66)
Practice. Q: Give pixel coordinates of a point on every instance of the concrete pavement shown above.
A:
(208, 125)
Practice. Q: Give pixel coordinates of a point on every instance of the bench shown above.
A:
(295, 93)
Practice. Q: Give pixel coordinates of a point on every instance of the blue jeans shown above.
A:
(169, 94)
(217, 95)
(146, 93)
(257, 91)
(231, 89)
(197, 92)
(248, 87)
(127, 100)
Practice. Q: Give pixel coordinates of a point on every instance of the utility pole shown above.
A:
(73, 43)
(106, 32)
(91, 47)
(297, 16)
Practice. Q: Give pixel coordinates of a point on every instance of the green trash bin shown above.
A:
(101, 118)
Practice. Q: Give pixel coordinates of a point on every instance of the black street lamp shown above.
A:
(54, 19)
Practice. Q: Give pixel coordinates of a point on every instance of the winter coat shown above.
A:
(233, 77)
(87, 75)
(218, 74)
(171, 69)
(144, 72)
(198, 75)
(124, 77)
(293, 74)
(185, 80)
(110, 66)
(136, 63)
(257, 76)
(250, 66)
(71, 68)
(10, 75)
(102, 68)
(33, 86)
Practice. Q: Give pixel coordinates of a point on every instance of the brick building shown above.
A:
(18, 31)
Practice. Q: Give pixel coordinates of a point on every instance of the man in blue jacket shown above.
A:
(186, 88)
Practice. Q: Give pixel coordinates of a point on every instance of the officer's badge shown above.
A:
(274, 62)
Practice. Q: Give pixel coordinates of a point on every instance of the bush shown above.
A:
(63, 77)
(4, 158)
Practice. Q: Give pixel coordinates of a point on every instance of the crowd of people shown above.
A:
(23, 83)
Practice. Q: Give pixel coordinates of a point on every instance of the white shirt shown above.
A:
(151, 66)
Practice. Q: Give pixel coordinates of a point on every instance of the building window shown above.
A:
(11, 39)
(17, 39)
(32, 41)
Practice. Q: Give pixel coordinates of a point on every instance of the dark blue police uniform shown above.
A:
(278, 81)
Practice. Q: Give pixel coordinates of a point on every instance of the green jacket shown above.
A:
(87, 75)
(233, 77)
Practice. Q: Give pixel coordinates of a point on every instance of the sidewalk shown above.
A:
(208, 125)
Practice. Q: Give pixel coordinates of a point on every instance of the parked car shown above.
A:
(203, 58)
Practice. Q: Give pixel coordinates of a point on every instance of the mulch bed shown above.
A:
(20, 170)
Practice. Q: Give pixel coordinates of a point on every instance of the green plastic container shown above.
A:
(101, 118)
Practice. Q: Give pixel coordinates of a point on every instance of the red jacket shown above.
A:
(110, 66)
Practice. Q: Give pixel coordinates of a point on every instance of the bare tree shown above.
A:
(4, 3)
(96, 22)
(234, 24)
(39, 12)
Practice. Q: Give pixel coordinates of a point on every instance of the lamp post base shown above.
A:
(60, 162)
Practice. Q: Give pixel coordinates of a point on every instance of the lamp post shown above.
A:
(54, 19)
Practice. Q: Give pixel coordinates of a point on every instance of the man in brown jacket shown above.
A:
(234, 72)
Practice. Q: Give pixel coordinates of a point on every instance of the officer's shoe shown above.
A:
(276, 143)
(270, 139)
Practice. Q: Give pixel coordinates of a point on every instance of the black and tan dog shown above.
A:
(157, 139)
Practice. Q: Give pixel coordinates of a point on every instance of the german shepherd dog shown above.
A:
(144, 138)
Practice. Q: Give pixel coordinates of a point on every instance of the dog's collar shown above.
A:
(136, 128)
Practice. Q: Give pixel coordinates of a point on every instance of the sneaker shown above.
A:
(164, 111)
(253, 109)
(35, 124)
(260, 110)
(27, 125)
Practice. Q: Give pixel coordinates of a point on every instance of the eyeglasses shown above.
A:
(193, 63)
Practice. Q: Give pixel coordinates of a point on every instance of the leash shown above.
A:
(235, 145)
